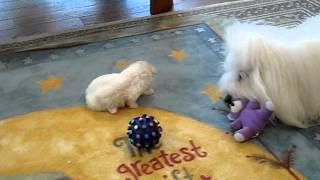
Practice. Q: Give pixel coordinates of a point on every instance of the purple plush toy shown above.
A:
(248, 118)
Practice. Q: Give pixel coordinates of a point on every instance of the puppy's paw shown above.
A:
(113, 110)
(133, 105)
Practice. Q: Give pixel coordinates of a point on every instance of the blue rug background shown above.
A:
(178, 84)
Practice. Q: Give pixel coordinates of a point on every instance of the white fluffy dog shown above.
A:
(276, 64)
(111, 91)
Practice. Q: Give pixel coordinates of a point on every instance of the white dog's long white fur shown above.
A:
(111, 91)
(277, 64)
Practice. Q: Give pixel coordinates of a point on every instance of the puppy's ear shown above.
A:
(144, 76)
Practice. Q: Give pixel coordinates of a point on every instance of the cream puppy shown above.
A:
(112, 91)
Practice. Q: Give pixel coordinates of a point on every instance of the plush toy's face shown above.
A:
(236, 107)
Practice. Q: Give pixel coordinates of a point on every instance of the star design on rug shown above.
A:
(212, 40)
(155, 37)
(27, 60)
(3, 65)
(317, 137)
(122, 63)
(79, 51)
(178, 54)
(53, 82)
(199, 30)
(213, 92)
(53, 56)
(134, 40)
(108, 45)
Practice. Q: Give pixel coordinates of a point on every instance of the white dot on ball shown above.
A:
(154, 133)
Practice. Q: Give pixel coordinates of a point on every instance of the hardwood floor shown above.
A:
(29, 17)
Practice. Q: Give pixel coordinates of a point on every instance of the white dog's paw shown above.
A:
(236, 107)
(239, 137)
(269, 105)
(149, 92)
(113, 110)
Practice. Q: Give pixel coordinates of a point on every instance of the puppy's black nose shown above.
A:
(228, 100)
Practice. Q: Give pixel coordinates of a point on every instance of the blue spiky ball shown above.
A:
(144, 132)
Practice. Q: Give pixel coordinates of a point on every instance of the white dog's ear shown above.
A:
(263, 52)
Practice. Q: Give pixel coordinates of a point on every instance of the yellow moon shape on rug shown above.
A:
(82, 144)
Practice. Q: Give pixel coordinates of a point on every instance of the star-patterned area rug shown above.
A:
(46, 132)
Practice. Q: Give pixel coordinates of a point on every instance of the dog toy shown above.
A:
(144, 132)
(248, 118)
